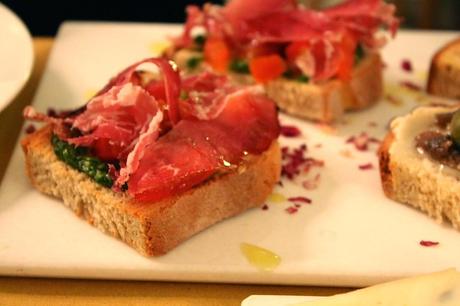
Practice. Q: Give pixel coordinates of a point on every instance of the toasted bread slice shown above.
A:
(444, 76)
(325, 101)
(151, 228)
(413, 178)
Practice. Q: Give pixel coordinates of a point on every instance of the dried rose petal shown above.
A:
(30, 129)
(291, 210)
(265, 207)
(300, 199)
(290, 131)
(361, 142)
(411, 85)
(406, 65)
(367, 166)
(427, 243)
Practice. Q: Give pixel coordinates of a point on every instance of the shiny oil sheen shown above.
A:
(262, 259)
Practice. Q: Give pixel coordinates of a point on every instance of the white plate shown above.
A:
(276, 300)
(351, 235)
(16, 55)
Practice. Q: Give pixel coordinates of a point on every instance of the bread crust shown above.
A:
(151, 228)
(444, 79)
(417, 182)
(325, 102)
(384, 164)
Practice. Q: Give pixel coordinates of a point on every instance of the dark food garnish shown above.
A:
(359, 53)
(239, 66)
(193, 62)
(303, 79)
(455, 128)
(406, 65)
(289, 74)
(440, 147)
(199, 40)
(80, 159)
(443, 120)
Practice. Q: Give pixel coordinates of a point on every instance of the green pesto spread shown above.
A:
(80, 159)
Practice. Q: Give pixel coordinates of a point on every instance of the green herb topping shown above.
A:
(199, 40)
(289, 74)
(359, 53)
(183, 95)
(239, 66)
(79, 159)
(193, 62)
(302, 79)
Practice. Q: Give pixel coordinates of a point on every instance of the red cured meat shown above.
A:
(214, 126)
(194, 150)
(332, 34)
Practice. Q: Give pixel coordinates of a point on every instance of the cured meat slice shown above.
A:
(250, 24)
(194, 150)
(210, 131)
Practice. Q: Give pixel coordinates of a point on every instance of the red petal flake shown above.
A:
(428, 243)
(362, 141)
(410, 85)
(367, 166)
(290, 131)
(30, 129)
(291, 210)
(300, 199)
(265, 207)
(295, 162)
(406, 65)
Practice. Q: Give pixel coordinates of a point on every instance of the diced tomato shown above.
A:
(106, 151)
(267, 68)
(261, 49)
(293, 50)
(347, 51)
(217, 54)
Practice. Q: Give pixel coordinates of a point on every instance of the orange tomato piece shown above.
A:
(217, 54)
(267, 68)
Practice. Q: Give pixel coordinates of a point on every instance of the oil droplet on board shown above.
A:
(263, 259)
(89, 94)
(276, 198)
(158, 47)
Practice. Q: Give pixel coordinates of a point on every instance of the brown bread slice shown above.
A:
(151, 228)
(444, 76)
(412, 178)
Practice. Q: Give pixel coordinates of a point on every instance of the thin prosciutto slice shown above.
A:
(196, 149)
(167, 147)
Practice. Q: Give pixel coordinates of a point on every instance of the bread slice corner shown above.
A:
(409, 177)
(444, 73)
(151, 228)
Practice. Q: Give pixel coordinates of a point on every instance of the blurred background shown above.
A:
(43, 17)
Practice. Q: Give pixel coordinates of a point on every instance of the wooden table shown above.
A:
(38, 291)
